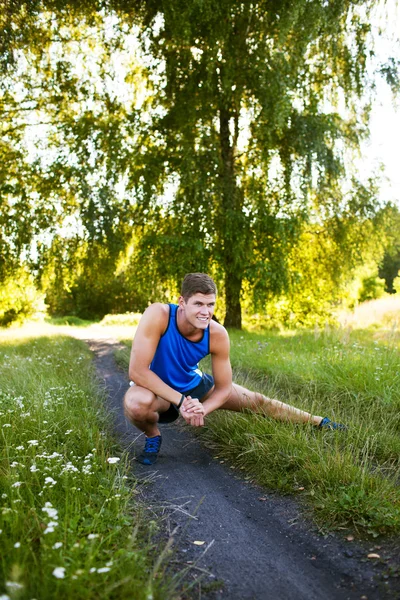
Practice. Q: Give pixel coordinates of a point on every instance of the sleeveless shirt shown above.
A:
(176, 358)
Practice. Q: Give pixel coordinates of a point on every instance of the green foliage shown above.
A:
(67, 140)
(371, 289)
(234, 68)
(64, 505)
(211, 148)
(390, 265)
(87, 280)
(19, 298)
(124, 319)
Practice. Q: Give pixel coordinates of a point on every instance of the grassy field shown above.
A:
(349, 480)
(70, 527)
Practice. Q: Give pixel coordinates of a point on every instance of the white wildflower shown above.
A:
(54, 455)
(7, 425)
(103, 570)
(69, 467)
(17, 484)
(52, 524)
(14, 464)
(17, 545)
(59, 572)
(68, 432)
(48, 530)
(49, 481)
(57, 545)
(92, 536)
(33, 469)
(113, 459)
(4, 597)
(92, 570)
(52, 512)
(13, 585)
(33, 442)
(20, 448)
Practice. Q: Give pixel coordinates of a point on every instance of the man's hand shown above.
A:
(192, 411)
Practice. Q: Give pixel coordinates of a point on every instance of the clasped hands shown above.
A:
(193, 412)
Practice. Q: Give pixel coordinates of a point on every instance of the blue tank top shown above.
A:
(176, 358)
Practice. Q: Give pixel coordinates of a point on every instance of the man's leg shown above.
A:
(241, 398)
(142, 408)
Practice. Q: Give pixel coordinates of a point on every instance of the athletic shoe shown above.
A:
(150, 451)
(328, 424)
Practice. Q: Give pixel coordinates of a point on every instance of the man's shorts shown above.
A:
(205, 385)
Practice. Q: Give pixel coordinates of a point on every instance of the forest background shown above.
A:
(144, 140)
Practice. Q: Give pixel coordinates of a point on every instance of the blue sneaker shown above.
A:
(328, 424)
(150, 450)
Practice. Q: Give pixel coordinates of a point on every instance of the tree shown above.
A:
(274, 73)
(66, 141)
(390, 264)
(237, 144)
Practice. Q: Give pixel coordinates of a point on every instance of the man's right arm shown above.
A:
(150, 329)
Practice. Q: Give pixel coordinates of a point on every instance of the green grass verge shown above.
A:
(70, 525)
(350, 480)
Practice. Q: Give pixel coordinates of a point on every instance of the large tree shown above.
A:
(65, 132)
(255, 105)
(237, 142)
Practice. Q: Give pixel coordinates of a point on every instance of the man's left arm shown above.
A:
(222, 373)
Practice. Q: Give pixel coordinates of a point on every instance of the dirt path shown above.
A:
(258, 545)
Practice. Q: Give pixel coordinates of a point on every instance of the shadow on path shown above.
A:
(257, 542)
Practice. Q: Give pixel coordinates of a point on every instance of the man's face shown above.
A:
(198, 309)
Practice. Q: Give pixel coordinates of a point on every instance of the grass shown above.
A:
(349, 480)
(70, 525)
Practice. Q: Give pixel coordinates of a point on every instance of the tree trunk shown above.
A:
(231, 221)
(233, 314)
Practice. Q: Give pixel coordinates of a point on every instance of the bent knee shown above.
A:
(138, 402)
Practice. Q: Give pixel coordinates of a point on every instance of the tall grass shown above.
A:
(350, 478)
(69, 524)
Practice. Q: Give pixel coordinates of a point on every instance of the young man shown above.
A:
(172, 339)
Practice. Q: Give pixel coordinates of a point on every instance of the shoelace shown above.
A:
(152, 444)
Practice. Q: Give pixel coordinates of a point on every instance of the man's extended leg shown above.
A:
(242, 398)
(142, 408)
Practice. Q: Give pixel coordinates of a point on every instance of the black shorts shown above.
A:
(205, 385)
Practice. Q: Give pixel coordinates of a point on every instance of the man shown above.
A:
(172, 339)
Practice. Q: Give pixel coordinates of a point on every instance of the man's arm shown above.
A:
(222, 373)
(221, 369)
(151, 327)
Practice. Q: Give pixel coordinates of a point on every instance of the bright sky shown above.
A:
(383, 145)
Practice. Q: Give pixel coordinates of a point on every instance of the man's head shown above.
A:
(197, 283)
(197, 300)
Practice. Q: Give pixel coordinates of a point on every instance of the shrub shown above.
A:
(19, 298)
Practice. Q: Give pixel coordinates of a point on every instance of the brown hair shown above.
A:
(197, 283)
